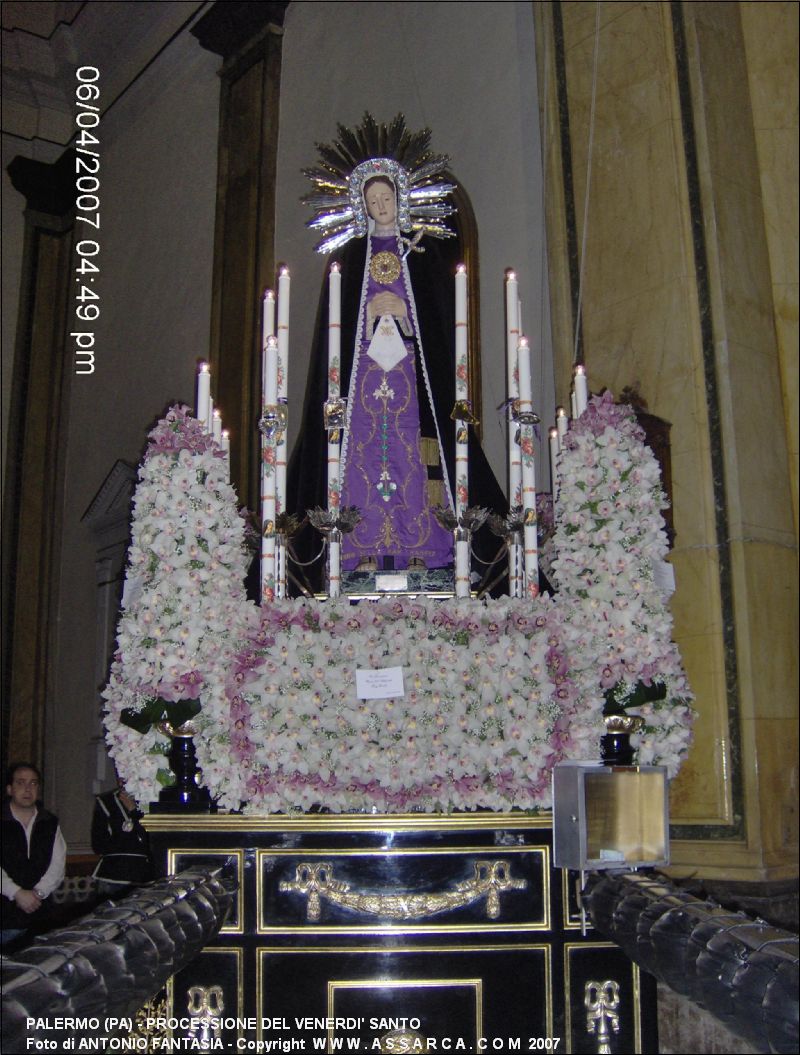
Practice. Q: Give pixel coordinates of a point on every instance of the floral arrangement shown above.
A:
(184, 606)
(488, 707)
(494, 693)
(609, 538)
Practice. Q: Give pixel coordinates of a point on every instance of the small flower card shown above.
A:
(383, 683)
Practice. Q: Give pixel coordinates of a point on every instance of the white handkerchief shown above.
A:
(386, 347)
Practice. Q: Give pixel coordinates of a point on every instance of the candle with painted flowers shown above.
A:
(268, 474)
(513, 311)
(462, 464)
(268, 397)
(334, 379)
(528, 458)
(284, 287)
(203, 392)
(512, 383)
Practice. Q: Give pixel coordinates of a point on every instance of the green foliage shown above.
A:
(176, 712)
(620, 696)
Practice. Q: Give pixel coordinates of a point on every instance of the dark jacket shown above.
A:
(26, 869)
(121, 840)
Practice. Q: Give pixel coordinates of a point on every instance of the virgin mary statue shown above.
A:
(381, 206)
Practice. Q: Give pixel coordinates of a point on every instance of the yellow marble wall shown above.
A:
(641, 325)
(770, 34)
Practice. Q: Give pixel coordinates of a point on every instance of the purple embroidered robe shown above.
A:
(385, 460)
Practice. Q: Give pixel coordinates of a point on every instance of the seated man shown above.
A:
(33, 853)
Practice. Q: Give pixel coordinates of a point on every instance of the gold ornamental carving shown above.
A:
(205, 1003)
(317, 883)
(601, 1000)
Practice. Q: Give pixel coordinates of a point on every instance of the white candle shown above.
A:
(461, 318)
(216, 426)
(581, 390)
(512, 382)
(512, 391)
(226, 446)
(268, 314)
(267, 331)
(284, 287)
(334, 567)
(271, 372)
(284, 284)
(573, 404)
(512, 313)
(562, 424)
(210, 415)
(462, 568)
(334, 316)
(554, 449)
(203, 392)
(524, 371)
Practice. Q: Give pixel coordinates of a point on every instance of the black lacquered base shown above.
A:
(184, 796)
(616, 749)
(455, 931)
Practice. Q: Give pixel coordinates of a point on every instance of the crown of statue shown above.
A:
(368, 151)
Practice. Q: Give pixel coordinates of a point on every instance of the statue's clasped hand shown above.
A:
(387, 304)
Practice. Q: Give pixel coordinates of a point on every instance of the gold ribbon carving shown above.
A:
(317, 883)
(601, 1000)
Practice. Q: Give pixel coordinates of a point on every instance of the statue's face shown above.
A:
(381, 202)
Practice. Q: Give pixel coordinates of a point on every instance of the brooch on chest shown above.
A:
(385, 268)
